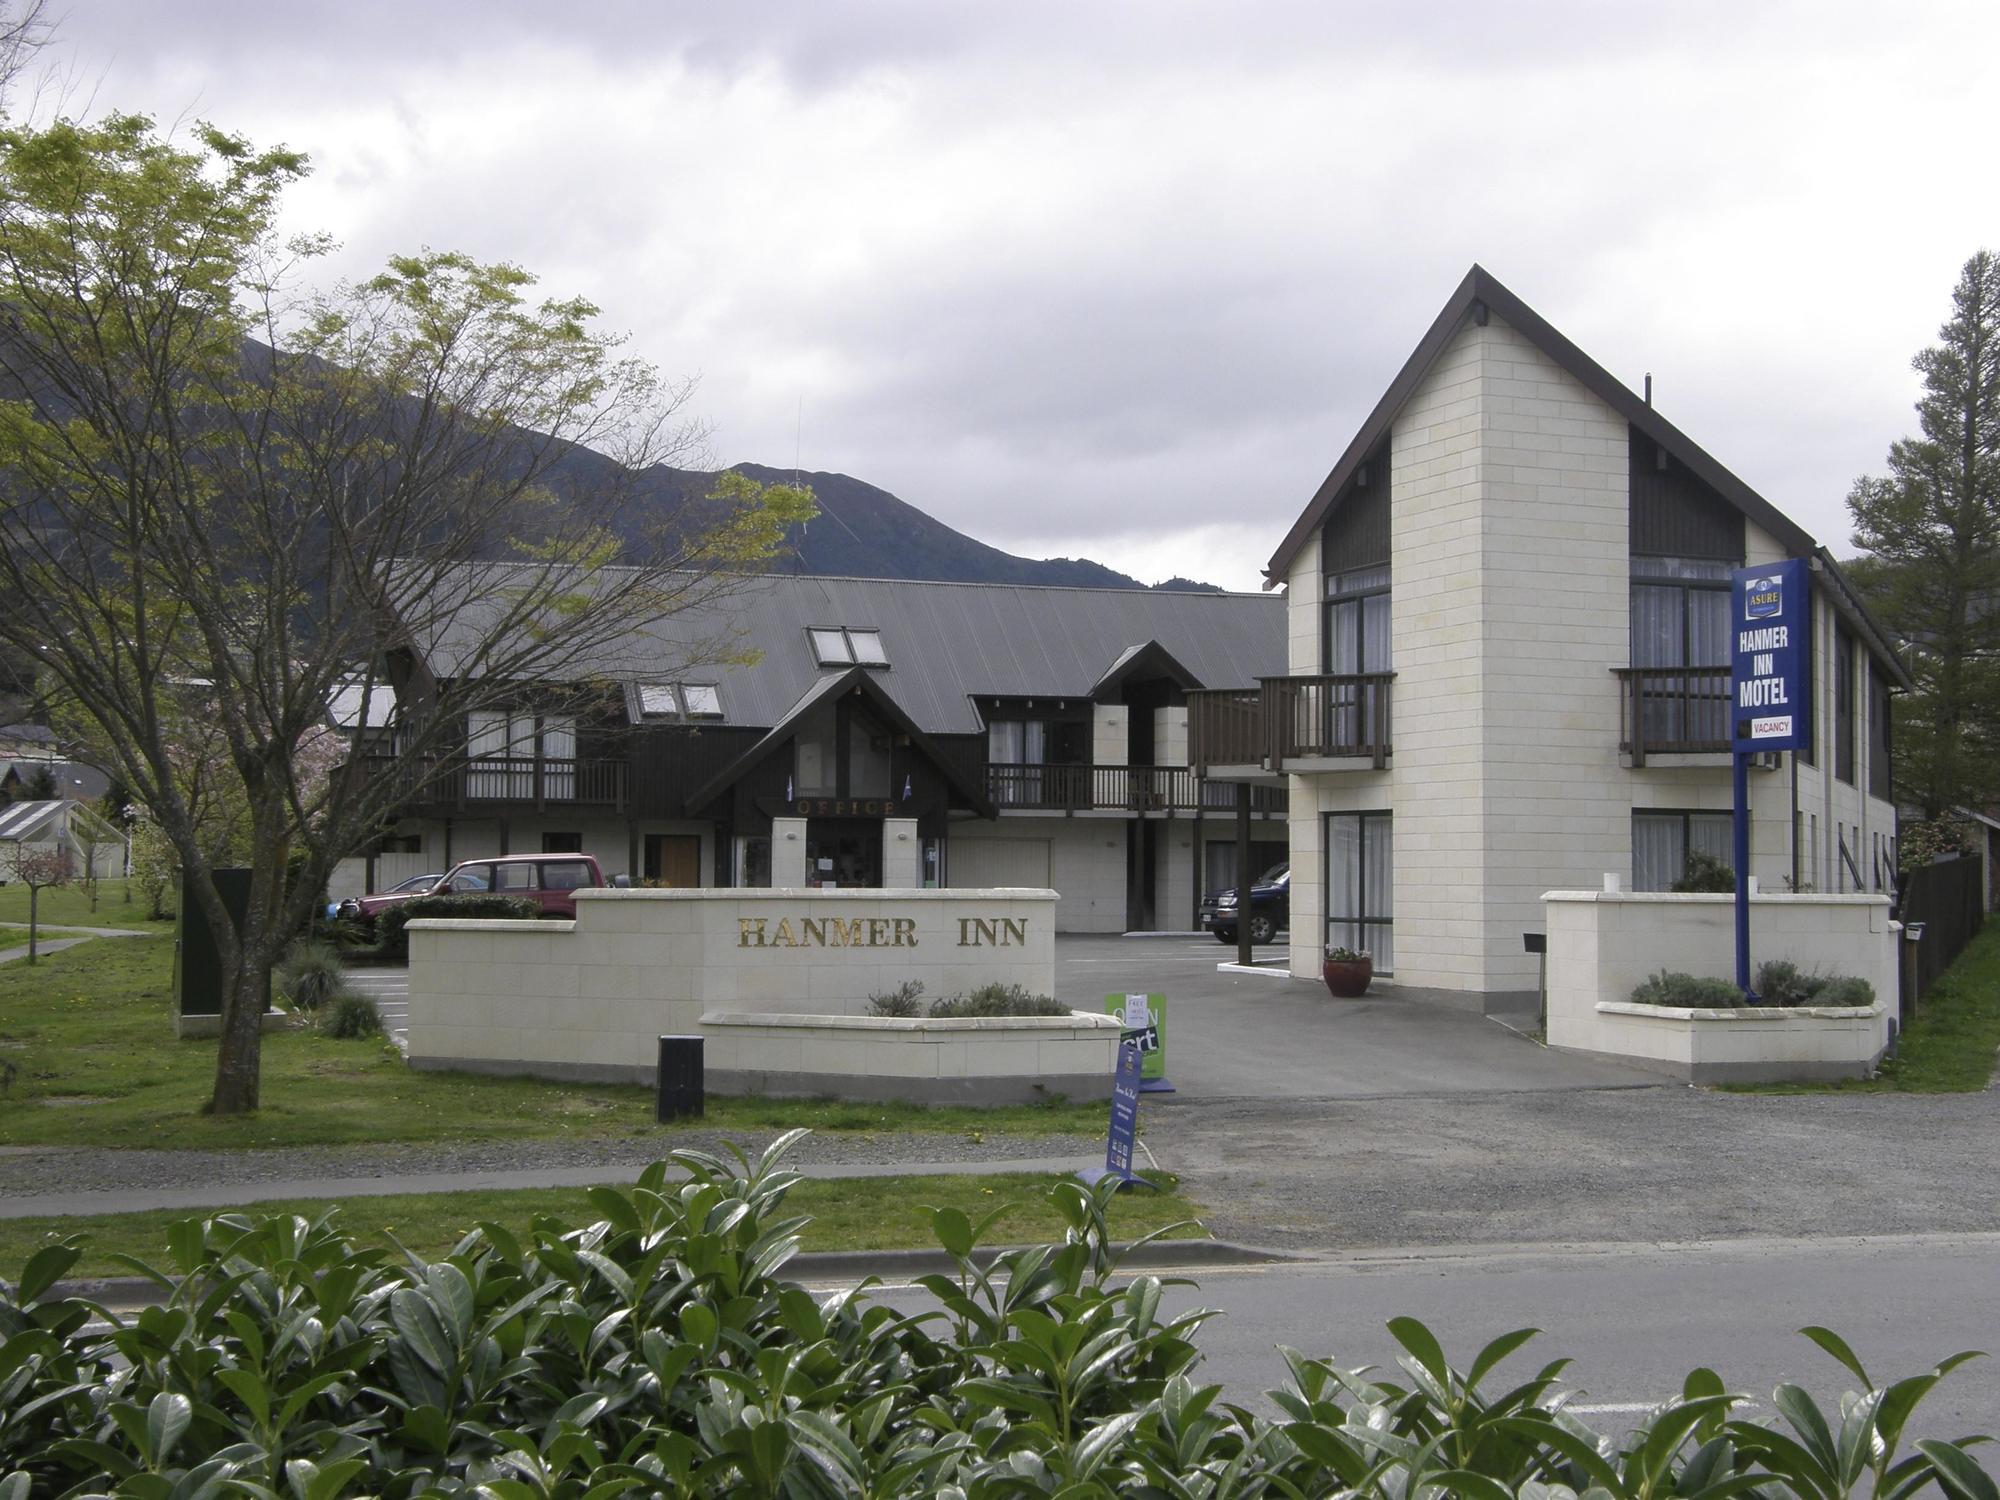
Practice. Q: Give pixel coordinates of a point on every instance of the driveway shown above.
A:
(1244, 1036)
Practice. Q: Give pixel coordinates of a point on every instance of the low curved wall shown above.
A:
(589, 999)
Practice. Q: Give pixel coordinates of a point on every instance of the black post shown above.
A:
(681, 1080)
(1244, 877)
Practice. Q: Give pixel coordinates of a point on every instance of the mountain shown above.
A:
(865, 532)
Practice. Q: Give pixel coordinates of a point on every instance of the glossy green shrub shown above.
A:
(661, 1351)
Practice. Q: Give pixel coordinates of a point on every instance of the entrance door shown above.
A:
(844, 852)
(674, 860)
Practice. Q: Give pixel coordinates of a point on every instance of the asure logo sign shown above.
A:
(1763, 598)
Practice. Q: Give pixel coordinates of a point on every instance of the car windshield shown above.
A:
(1275, 874)
(417, 883)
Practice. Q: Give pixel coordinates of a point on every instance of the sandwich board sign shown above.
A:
(1770, 650)
(1145, 1020)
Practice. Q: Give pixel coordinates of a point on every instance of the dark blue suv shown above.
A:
(1270, 907)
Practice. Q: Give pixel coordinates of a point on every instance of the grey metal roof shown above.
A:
(947, 643)
(23, 821)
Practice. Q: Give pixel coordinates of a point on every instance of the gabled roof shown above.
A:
(1149, 659)
(1481, 295)
(864, 683)
(947, 643)
(30, 820)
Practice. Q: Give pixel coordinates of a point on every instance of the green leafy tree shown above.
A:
(227, 495)
(39, 785)
(1931, 527)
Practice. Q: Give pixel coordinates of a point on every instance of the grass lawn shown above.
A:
(89, 1033)
(866, 1213)
(1951, 1046)
(66, 905)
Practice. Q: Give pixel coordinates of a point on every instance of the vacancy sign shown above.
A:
(1770, 637)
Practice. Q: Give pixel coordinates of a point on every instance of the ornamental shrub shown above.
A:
(904, 1002)
(392, 942)
(998, 1000)
(1779, 982)
(1669, 988)
(309, 975)
(1705, 874)
(352, 1016)
(1847, 990)
(660, 1351)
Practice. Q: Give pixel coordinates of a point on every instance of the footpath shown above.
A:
(71, 936)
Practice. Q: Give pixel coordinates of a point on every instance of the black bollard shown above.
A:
(681, 1079)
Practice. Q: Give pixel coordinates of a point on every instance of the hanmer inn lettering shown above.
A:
(873, 932)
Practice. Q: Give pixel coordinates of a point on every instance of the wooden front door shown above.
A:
(674, 860)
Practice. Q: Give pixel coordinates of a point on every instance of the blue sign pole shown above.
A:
(1771, 643)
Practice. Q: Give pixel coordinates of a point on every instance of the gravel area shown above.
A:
(28, 1172)
(1654, 1165)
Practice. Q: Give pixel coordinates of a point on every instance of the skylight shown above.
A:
(843, 648)
(679, 700)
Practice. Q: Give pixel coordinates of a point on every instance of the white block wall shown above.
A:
(1110, 734)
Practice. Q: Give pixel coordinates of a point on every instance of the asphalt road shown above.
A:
(1635, 1319)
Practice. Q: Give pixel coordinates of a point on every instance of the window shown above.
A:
(846, 648)
(679, 700)
(1357, 622)
(565, 875)
(514, 877)
(1843, 705)
(472, 878)
(1360, 885)
(1879, 784)
(1680, 625)
(562, 843)
(1021, 746)
(1661, 842)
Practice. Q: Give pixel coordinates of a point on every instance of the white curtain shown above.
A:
(559, 759)
(486, 741)
(1658, 854)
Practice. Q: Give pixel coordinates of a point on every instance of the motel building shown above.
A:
(888, 734)
(1508, 638)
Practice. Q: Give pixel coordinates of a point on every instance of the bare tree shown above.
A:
(226, 497)
(38, 867)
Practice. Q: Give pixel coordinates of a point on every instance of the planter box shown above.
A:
(1752, 1045)
(981, 1060)
(1602, 944)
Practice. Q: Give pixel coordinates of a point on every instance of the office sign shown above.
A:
(1770, 646)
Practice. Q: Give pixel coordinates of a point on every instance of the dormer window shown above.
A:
(678, 701)
(848, 648)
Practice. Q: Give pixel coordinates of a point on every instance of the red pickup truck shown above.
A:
(551, 881)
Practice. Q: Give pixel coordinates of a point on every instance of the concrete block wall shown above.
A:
(1110, 734)
(1554, 623)
(1170, 736)
(902, 854)
(1437, 526)
(1603, 944)
(589, 998)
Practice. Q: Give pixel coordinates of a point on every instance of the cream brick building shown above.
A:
(1509, 665)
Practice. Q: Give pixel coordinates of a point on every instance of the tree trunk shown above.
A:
(239, 1055)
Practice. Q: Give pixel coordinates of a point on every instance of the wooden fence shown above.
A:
(1949, 899)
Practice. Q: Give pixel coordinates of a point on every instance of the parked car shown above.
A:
(1270, 907)
(551, 881)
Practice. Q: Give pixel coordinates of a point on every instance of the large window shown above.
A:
(1680, 621)
(1879, 781)
(1360, 885)
(503, 748)
(1661, 842)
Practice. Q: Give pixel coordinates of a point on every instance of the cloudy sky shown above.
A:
(1121, 280)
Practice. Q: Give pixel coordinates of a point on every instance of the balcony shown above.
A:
(501, 781)
(1134, 789)
(1292, 723)
(1672, 711)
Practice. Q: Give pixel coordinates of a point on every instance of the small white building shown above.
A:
(1509, 666)
(86, 840)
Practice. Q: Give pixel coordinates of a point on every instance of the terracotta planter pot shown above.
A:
(1347, 979)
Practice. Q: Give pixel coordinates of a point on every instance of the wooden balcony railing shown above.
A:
(1672, 711)
(506, 780)
(1118, 789)
(1289, 719)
